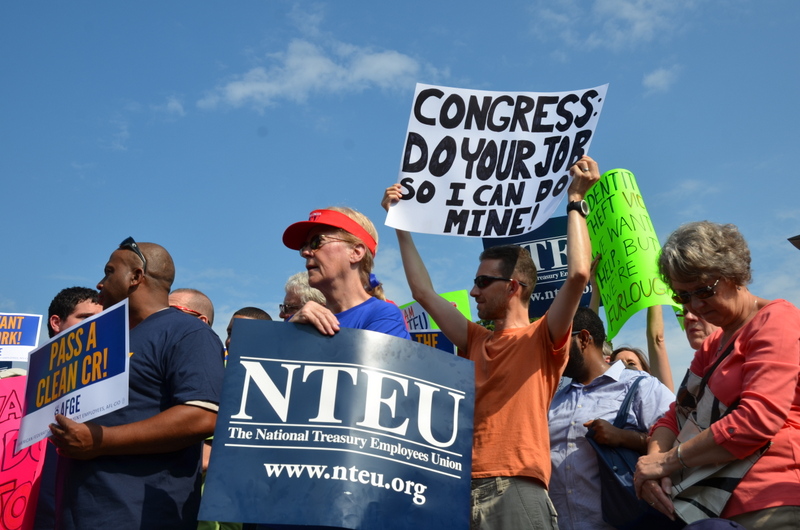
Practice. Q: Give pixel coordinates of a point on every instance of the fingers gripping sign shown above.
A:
(391, 196)
(584, 174)
(81, 441)
(318, 316)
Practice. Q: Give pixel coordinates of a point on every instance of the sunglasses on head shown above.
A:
(317, 241)
(187, 310)
(130, 244)
(701, 294)
(483, 281)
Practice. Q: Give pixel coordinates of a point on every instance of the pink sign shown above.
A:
(19, 472)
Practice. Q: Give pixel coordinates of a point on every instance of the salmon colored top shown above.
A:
(763, 371)
(517, 372)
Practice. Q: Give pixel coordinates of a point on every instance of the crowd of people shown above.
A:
(728, 446)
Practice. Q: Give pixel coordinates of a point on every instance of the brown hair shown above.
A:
(515, 261)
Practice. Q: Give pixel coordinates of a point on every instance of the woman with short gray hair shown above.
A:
(298, 292)
(730, 445)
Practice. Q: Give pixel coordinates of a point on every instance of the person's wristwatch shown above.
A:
(579, 206)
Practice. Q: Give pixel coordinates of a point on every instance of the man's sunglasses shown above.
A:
(287, 308)
(701, 294)
(316, 242)
(483, 281)
(130, 244)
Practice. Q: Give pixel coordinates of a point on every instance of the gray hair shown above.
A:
(705, 251)
(298, 283)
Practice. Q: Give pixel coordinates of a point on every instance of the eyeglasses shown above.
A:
(187, 310)
(701, 294)
(483, 281)
(316, 242)
(130, 244)
(287, 308)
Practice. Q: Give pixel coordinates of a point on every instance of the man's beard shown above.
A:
(576, 366)
(493, 311)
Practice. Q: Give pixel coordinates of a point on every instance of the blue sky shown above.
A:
(209, 128)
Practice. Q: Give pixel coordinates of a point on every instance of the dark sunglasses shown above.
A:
(701, 294)
(483, 281)
(316, 242)
(130, 244)
(286, 308)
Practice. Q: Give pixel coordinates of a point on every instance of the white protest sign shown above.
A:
(490, 164)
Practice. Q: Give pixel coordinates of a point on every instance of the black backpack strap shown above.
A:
(702, 388)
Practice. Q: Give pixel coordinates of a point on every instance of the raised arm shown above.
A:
(579, 252)
(594, 301)
(657, 347)
(447, 316)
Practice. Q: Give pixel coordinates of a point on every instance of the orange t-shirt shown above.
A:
(516, 375)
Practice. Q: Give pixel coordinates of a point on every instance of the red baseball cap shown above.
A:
(295, 236)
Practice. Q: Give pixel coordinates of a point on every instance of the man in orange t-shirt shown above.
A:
(517, 366)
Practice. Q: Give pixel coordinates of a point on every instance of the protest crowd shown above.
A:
(551, 402)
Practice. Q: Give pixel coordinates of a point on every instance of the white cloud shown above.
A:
(685, 189)
(83, 170)
(173, 107)
(788, 215)
(687, 199)
(307, 68)
(78, 166)
(780, 284)
(661, 80)
(118, 139)
(611, 24)
(7, 304)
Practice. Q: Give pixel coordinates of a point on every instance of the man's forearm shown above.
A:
(450, 320)
(419, 281)
(175, 428)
